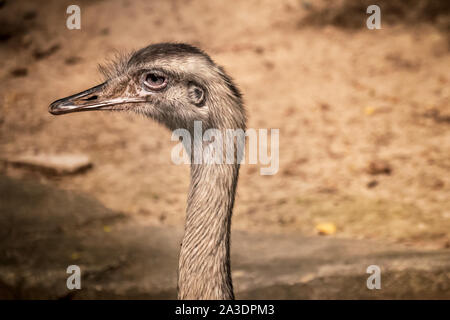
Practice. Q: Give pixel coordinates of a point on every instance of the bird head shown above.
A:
(174, 84)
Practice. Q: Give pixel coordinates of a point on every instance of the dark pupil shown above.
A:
(154, 79)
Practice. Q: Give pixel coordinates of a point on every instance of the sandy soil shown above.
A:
(345, 101)
(121, 258)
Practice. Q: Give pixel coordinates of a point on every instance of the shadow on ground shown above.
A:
(44, 230)
(346, 13)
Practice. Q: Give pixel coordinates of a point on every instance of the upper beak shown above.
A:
(91, 99)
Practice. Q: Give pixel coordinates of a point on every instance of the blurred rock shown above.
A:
(44, 52)
(379, 167)
(72, 60)
(436, 115)
(55, 164)
(326, 228)
(372, 184)
(19, 72)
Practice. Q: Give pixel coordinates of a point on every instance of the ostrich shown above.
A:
(177, 84)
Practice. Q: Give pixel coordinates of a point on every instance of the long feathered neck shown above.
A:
(204, 266)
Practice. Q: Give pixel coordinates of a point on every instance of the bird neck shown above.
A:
(204, 265)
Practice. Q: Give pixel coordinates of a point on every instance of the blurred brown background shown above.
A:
(364, 120)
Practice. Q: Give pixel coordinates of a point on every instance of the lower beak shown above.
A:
(91, 99)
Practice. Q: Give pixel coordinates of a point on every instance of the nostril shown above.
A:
(94, 97)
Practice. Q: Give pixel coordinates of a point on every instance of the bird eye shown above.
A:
(155, 81)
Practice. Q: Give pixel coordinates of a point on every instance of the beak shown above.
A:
(91, 99)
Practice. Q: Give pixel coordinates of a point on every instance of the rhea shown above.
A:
(176, 85)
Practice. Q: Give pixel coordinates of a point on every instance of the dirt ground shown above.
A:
(364, 115)
(121, 258)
